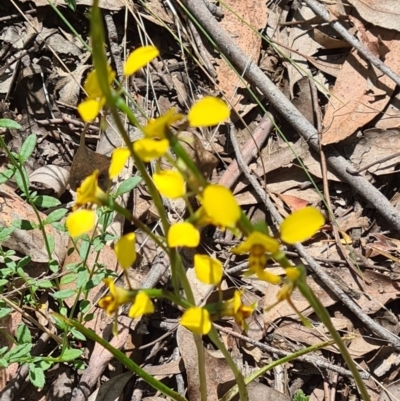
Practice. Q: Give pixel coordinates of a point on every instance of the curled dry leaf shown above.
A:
(361, 92)
(50, 176)
(111, 389)
(384, 13)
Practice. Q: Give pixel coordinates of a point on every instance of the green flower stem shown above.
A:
(241, 385)
(235, 389)
(181, 153)
(129, 216)
(244, 224)
(121, 357)
(201, 361)
(178, 269)
(325, 319)
(281, 258)
(121, 104)
(100, 63)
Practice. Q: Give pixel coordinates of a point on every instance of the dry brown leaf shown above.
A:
(31, 242)
(352, 220)
(260, 392)
(294, 202)
(160, 12)
(373, 146)
(384, 13)
(362, 345)
(217, 371)
(327, 41)
(361, 92)
(100, 357)
(61, 387)
(84, 163)
(50, 176)
(112, 389)
(358, 347)
(255, 13)
(68, 85)
(391, 116)
(392, 393)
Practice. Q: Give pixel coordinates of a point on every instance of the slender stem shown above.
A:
(235, 389)
(238, 375)
(325, 319)
(201, 361)
(120, 356)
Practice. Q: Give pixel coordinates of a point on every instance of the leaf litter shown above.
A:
(360, 116)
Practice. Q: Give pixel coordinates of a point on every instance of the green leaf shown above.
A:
(52, 245)
(46, 201)
(4, 312)
(21, 350)
(23, 335)
(22, 180)
(5, 233)
(88, 317)
(54, 266)
(36, 376)
(68, 278)
(3, 363)
(77, 334)
(44, 365)
(71, 354)
(10, 124)
(82, 279)
(300, 396)
(63, 294)
(60, 227)
(84, 306)
(55, 216)
(27, 148)
(71, 4)
(6, 175)
(128, 185)
(44, 284)
(83, 251)
(23, 262)
(24, 225)
(60, 323)
(3, 281)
